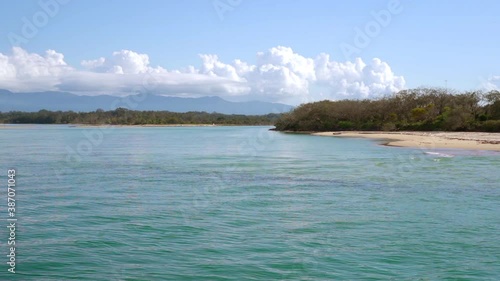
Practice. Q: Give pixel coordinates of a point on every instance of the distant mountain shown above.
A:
(66, 101)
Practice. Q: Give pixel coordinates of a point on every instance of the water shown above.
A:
(245, 203)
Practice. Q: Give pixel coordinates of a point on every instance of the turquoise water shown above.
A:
(245, 203)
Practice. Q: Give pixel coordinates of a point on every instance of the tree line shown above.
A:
(421, 109)
(122, 116)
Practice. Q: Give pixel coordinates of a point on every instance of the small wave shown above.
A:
(439, 154)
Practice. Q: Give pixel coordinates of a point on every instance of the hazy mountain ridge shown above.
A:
(54, 101)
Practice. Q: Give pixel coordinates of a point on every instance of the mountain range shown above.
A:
(54, 101)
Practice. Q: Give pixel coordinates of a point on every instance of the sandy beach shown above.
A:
(429, 140)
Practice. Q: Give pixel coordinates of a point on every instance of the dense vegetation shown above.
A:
(422, 109)
(123, 116)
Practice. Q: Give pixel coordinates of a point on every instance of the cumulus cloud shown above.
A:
(278, 74)
(281, 74)
(23, 71)
(122, 62)
(492, 83)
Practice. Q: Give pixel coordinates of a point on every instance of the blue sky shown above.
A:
(423, 43)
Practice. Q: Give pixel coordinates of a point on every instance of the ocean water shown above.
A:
(244, 203)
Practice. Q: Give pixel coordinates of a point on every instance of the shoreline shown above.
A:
(10, 126)
(427, 140)
(144, 125)
(415, 139)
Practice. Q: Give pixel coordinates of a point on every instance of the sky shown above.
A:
(272, 50)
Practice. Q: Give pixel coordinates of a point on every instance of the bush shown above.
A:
(389, 127)
(490, 126)
(345, 125)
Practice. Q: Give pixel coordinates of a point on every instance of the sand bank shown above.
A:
(429, 140)
(145, 125)
(28, 126)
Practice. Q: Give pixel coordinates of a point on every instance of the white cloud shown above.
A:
(122, 62)
(168, 83)
(302, 67)
(492, 83)
(279, 74)
(23, 71)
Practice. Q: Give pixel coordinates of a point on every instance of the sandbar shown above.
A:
(428, 140)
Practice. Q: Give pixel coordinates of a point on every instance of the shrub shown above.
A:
(490, 126)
